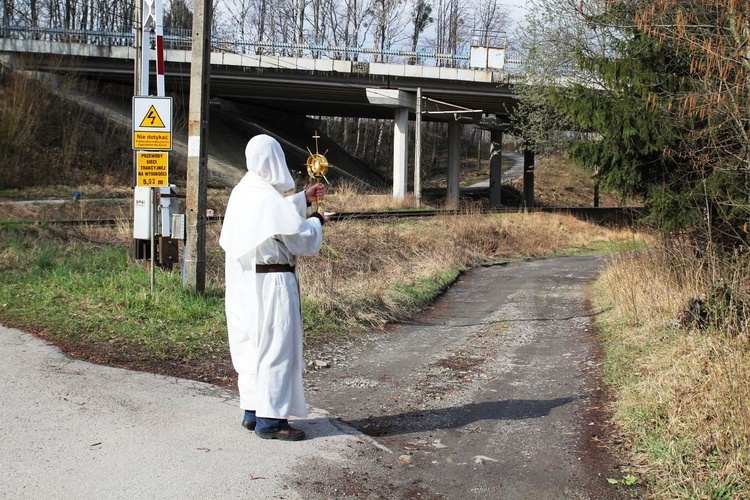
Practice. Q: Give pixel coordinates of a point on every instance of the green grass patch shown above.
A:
(89, 294)
(75, 292)
(415, 296)
(320, 323)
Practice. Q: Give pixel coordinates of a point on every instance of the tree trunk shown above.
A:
(301, 27)
(379, 143)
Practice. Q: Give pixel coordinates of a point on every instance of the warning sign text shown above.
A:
(152, 140)
(153, 169)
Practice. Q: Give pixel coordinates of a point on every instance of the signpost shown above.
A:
(152, 138)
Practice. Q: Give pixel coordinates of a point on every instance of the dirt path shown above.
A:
(492, 394)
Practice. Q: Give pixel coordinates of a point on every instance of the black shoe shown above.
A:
(249, 424)
(286, 434)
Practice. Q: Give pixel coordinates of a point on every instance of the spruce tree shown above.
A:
(654, 136)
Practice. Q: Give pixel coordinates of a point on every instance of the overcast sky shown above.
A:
(517, 9)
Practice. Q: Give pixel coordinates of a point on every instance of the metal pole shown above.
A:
(418, 150)
(528, 178)
(197, 169)
(152, 230)
(138, 25)
(454, 160)
(496, 167)
(147, 7)
(159, 21)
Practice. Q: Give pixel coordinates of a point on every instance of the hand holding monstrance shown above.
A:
(317, 168)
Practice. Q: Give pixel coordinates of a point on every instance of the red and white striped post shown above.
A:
(153, 15)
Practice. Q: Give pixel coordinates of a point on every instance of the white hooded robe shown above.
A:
(264, 317)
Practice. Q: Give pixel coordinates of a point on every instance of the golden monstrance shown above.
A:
(317, 168)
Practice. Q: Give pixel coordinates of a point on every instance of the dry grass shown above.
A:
(682, 395)
(374, 272)
(345, 196)
(557, 183)
(369, 273)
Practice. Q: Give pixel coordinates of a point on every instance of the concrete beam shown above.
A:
(403, 102)
(454, 159)
(392, 98)
(443, 111)
(528, 178)
(496, 172)
(400, 152)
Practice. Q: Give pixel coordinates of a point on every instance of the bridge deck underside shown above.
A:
(294, 91)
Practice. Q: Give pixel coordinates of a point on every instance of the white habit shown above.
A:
(264, 317)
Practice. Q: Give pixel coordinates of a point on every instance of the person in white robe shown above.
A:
(262, 235)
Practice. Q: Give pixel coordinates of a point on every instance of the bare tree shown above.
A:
(491, 20)
(323, 18)
(451, 29)
(388, 22)
(356, 25)
(239, 12)
(9, 12)
(283, 25)
(178, 15)
(301, 22)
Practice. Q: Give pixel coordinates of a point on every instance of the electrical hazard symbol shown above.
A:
(152, 119)
(152, 123)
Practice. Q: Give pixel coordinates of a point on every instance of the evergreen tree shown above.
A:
(655, 137)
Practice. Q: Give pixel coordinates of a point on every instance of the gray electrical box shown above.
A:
(169, 207)
(178, 226)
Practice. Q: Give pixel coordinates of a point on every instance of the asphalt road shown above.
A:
(492, 394)
(75, 430)
(489, 395)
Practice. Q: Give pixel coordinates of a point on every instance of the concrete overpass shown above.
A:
(307, 86)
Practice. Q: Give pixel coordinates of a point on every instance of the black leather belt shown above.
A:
(274, 268)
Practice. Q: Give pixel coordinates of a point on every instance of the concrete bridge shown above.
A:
(469, 96)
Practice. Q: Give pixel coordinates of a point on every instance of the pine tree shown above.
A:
(664, 128)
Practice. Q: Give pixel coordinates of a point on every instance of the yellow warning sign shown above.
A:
(153, 169)
(152, 119)
(152, 140)
(152, 123)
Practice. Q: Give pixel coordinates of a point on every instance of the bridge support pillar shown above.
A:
(400, 152)
(402, 102)
(496, 172)
(528, 178)
(454, 160)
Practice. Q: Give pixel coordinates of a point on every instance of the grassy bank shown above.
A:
(78, 287)
(680, 380)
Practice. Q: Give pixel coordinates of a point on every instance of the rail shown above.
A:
(621, 215)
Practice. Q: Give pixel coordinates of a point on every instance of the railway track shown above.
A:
(622, 215)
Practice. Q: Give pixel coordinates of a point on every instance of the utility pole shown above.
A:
(138, 28)
(197, 165)
(418, 151)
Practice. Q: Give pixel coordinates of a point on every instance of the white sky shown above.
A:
(517, 10)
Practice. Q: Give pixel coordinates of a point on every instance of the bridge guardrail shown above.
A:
(180, 39)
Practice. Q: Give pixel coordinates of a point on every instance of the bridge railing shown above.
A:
(179, 39)
(93, 37)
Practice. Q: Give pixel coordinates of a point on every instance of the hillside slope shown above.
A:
(229, 129)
